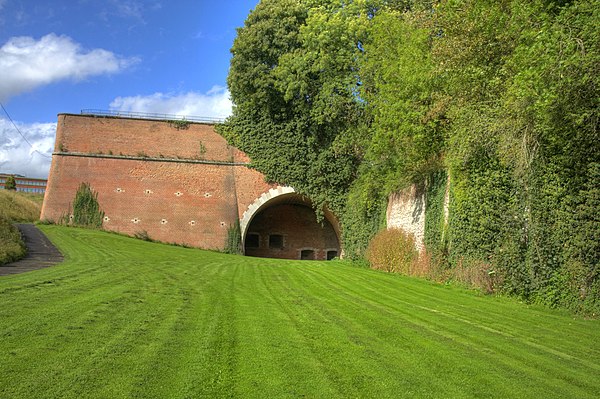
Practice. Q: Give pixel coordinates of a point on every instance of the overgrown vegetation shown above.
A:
(15, 207)
(393, 251)
(20, 207)
(180, 124)
(233, 245)
(349, 102)
(12, 247)
(85, 210)
(175, 322)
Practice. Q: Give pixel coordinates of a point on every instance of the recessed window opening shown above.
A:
(252, 240)
(307, 254)
(331, 255)
(276, 241)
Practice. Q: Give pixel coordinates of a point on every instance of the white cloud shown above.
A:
(26, 63)
(215, 103)
(16, 156)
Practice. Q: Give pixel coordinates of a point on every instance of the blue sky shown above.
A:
(132, 55)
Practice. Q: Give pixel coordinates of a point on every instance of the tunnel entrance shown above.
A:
(286, 227)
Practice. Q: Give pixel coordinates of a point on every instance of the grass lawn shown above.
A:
(123, 318)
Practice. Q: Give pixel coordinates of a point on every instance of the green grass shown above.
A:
(123, 318)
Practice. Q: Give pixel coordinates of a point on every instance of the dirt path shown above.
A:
(40, 252)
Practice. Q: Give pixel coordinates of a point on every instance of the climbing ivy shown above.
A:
(86, 210)
(233, 244)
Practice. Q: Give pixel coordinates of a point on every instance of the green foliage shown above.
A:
(12, 247)
(407, 131)
(180, 124)
(295, 85)
(436, 235)
(364, 215)
(86, 210)
(233, 245)
(10, 183)
(15, 207)
(349, 102)
(523, 138)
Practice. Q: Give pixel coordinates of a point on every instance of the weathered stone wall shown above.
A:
(406, 211)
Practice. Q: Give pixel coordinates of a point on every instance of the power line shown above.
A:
(22, 135)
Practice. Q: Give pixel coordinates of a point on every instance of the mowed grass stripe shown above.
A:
(493, 316)
(505, 348)
(421, 347)
(125, 318)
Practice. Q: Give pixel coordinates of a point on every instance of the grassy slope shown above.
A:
(123, 318)
(20, 207)
(15, 207)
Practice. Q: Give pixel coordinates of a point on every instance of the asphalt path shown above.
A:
(40, 252)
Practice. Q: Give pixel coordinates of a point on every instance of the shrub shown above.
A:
(393, 250)
(12, 247)
(10, 183)
(86, 210)
(233, 245)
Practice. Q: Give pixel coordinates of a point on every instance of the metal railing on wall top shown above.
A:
(154, 116)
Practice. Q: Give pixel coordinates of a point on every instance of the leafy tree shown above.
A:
(294, 82)
(10, 183)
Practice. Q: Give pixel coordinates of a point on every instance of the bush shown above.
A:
(12, 247)
(393, 250)
(233, 245)
(86, 209)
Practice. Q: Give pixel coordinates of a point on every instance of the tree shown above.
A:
(294, 81)
(10, 183)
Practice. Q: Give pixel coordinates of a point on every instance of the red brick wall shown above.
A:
(299, 228)
(180, 185)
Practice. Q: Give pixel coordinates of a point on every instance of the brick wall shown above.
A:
(179, 184)
(299, 231)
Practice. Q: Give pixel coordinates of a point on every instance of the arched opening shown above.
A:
(285, 226)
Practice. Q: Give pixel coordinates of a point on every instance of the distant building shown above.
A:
(25, 184)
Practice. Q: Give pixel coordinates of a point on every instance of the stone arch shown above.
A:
(282, 196)
(258, 204)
